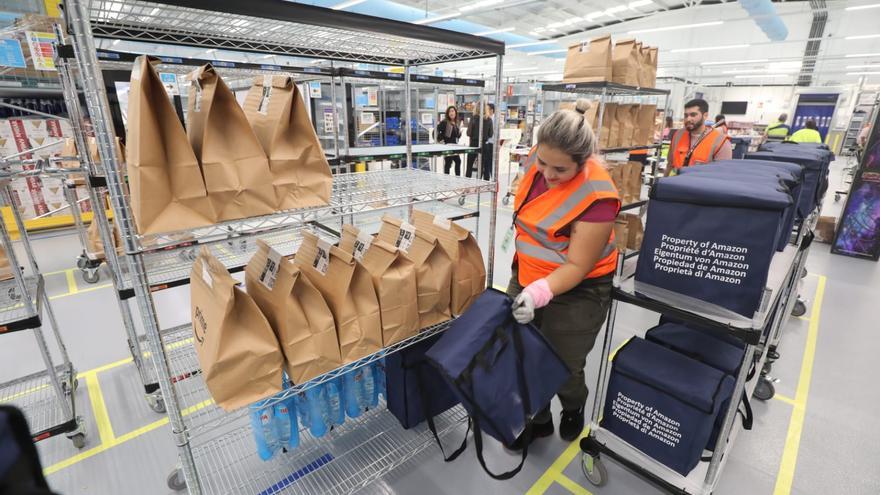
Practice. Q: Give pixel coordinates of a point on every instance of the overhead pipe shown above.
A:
(764, 14)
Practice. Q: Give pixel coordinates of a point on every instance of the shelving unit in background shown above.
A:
(213, 446)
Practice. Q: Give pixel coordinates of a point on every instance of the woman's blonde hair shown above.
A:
(569, 131)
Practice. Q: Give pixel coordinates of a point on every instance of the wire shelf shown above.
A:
(163, 23)
(36, 397)
(12, 306)
(607, 88)
(352, 193)
(202, 416)
(348, 458)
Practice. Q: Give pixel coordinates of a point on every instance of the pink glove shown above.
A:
(540, 292)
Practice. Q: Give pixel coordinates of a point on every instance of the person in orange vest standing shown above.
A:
(565, 259)
(697, 143)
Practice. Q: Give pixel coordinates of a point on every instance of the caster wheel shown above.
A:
(505, 200)
(767, 368)
(157, 405)
(65, 386)
(81, 262)
(803, 272)
(91, 276)
(461, 201)
(764, 389)
(175, 481)
(800, 309)
(594, 469)
(837, 198)
(79, 440)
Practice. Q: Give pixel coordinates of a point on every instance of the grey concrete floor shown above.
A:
(833, 451)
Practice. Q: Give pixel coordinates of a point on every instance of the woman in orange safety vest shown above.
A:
(564, 215)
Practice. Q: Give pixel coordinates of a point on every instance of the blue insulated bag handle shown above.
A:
(429, 418)
(524, 393)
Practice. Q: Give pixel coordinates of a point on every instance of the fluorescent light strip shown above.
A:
(495, 31)
(863, 73)
(863, 7)
(763, 71)
(345, 5)
(864, 66)
(532, 43)
(546, 52)
(673, 28)
(862, 37)
(756, 76)
(707, 48)
(860, 55)
(432, 20)
(735, 62)
(480, 5)
(639, 3)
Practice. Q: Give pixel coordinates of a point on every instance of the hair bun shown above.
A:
(582, 106)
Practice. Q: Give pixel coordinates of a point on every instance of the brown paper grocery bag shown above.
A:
(68, 148)
(616, 171)
(5, 266)
(95, 245)
(165, 181)
(652, 61)
(645, 66)
(644, 125)
(432, 264)
(625, 126)
(237, 349)
(633, 181)
(236, 169)
(635, 231)
(588, 61)
(607, 136)
(620, 233)
(625, 62)
(278, 115)
(394, 278)
(468, 270)
(297, 313)
(348, 289)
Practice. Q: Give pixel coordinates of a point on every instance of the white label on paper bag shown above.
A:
(270, 271)
(206, 276)
(585, 46)
(263, 108)
(322, 259)
(443, 223)
(361, 245)
(405, 236)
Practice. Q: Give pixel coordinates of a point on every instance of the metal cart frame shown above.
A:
(206, 436)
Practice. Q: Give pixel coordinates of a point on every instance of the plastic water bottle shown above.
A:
(311, 405)
(262, 420)
(286, 426)
(379, 382)
(359, 389)
(334, 402)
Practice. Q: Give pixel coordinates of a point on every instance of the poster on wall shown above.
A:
(858, 231)
(40, 45)
(11, 54)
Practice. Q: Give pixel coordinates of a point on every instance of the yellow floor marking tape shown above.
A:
(99, 409)
(782, 398)
(788, 464)
(571, 486)
(80, 291)
(554, 472)
(71, 282)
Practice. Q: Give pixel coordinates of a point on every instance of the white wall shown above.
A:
(765, 102)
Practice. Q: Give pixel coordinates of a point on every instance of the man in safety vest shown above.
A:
(809, 134)
(696, 143)
(778, 131)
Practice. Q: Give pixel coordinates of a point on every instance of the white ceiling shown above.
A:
(770, 62)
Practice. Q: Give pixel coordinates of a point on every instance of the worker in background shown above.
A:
(474, 137)
(565, 259)
(721, 124)
(809, 134)
(864, 134)
(778, 131)
(447, 132)
(667, 129)
(696, 143)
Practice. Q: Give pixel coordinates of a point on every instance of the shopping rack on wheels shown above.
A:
(755, 335)
(47, 397)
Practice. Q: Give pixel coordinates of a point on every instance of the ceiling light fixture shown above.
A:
(595, 15)
(754, 76)
(495, 31)
(432, 20)
(532, 43)
(707, 48)
(862, 37)
(863, 73)
(345, 5)
(673, 28)
(732, 62)
(546, 52)
(480, 5)
(861, 55)
(864, 66)
(863, 7)
(639, 3)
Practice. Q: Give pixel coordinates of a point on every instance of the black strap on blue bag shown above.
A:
(478, 415)
(429, 418)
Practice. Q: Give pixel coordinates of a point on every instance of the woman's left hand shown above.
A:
(523, 308)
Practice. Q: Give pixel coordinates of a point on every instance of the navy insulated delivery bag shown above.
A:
(815, 173)
(664, 403)
(502, 372)
(710, 241)
(710, 350)
(415, 390)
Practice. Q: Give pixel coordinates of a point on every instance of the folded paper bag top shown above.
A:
(238, 352)
(236, 169)
(589, 61)
(394, 278)
(433, 268)
(297, 313)
(165, 180)
(348, 289)
(278, 115)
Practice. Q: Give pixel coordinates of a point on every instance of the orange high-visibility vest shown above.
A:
(705, 152)
(540, 248)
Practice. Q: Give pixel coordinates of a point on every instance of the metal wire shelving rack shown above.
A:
(47, 397)
(212, 445)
